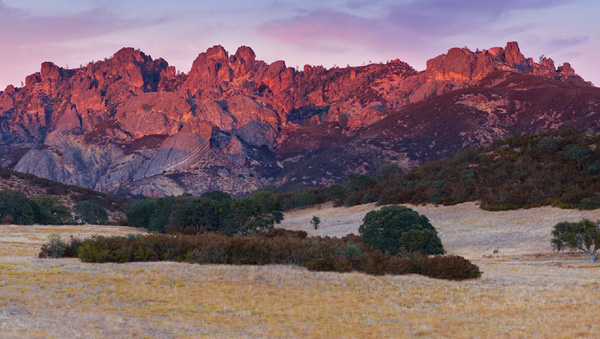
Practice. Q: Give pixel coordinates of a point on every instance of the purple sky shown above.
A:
(337, 32)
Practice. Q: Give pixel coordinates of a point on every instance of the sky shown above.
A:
(71, 33)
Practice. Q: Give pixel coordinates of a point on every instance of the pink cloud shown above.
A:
(26, 29)
(423, 23)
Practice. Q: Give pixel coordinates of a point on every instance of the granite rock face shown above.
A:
(133, 125)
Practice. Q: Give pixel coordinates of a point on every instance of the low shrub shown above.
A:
(450, 267)
(263, 248)
(55, 248)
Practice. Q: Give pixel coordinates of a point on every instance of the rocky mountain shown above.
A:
(133, 125)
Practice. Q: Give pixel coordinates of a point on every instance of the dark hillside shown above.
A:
(559, 168)
(68, 195)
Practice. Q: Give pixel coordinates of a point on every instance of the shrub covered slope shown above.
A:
(559, 168)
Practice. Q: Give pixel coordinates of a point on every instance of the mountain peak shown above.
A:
(130, 54)
(216, 52)
(245, 53)
(462, 67)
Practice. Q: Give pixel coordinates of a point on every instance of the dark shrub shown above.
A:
(140, 212)
(388, 171)
(281, 232)
(270, 247)
(372, 263)
(450, 267)
(368, 198)
(330, 264)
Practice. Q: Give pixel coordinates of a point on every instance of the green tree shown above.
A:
(201, 213)
(250, 216)
(217, 196)
(423, 241)
(301, 199)
(575, 153)
(386, 172)
(265, 200)
(90, 212)
(54, 210)
(383, 229)
(152, 214)
(359, 182)
(582, 236)
(335, 193)
(315, 221)
(16, 208)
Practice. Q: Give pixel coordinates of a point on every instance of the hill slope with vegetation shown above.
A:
(559, 168)
(28, 199)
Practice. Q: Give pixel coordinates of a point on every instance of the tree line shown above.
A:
(212, 211)
(17, 208)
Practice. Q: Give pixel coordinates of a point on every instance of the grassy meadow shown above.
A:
(526, 290)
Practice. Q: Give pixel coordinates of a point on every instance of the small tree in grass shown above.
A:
(583, 236)
(315, 221)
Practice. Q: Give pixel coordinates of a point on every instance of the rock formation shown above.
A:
(133, 125)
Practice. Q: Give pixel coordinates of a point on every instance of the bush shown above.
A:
(55, 248)
(450, 267)
(213, 211)
(268, 247)
(388, 171)
(383, 229)
(281, 232)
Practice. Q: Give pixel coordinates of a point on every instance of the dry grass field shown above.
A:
(65, 298)
(464, 229)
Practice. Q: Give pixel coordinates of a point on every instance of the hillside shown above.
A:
(68, 195)
(558, 167)
(131, 124)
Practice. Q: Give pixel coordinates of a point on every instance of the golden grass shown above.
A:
(66, 298)
(464, 229)
(27, 240)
